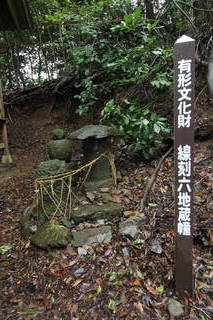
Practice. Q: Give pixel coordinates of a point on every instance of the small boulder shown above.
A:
(210, 205)
(175, 308)
(156, 247)
(27, 221)
(51, 168)
(51, 235)
(131, 226)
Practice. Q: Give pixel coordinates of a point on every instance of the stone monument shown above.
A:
(96, 140)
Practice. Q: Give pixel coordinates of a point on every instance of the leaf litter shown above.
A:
(126, 279)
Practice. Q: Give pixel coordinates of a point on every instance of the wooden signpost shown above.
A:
(6, 159)
(14, 15)
(184, 65)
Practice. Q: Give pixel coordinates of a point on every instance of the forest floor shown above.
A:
(120, 280)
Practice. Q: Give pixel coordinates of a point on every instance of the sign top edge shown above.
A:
(184, 38)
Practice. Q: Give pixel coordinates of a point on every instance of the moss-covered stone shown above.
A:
(59, 149)
(7, 159)
(58, 134)
(51, 168)
(51, 235)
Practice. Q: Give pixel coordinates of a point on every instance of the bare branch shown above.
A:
(153, 178)
(185, 15)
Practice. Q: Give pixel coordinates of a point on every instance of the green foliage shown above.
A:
(129, 22)
(107, 44)
(58, 133)
(160, 289)
(162, 82)
(143, 129)
(5, 248)
(112, 305)
(136, 244)
(121, 54)
(28, 312)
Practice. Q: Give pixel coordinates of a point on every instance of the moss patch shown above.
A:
(51, 235)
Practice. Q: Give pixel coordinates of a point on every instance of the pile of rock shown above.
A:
(46, 231)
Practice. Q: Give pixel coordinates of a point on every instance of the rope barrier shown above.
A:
(63, 200)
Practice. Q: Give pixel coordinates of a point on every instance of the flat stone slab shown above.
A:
(100, 235)
(96, 185)
(94, 131)
(94, 212)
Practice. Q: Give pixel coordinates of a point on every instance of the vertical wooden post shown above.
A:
(184, 65)
(6, 158)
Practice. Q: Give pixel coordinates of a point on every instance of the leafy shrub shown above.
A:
(106, 44)
(143, 129)
(122, 50)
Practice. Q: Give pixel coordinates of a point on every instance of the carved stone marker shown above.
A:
(184, 53)
(59, 147)
(96, 140)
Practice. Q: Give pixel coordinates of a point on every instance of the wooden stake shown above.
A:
(184, 54)
(6, 158)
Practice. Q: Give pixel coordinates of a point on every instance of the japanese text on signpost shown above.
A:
(184, 141)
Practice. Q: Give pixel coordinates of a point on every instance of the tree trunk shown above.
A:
(149, 5)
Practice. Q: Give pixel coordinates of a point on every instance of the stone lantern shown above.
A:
(96, 140)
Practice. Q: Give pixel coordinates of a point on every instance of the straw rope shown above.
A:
(48, 186)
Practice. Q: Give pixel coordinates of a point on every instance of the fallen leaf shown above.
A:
(152, 290)
(152, 205)
(67, 280)
(128, 213)
(64, 265)
(98, 281)
(211, 238)
(90, 196)
(104, 190)
(69, 307)
(116, 199)
(76, 283)
(121, 312)
(55, 272)
(71, 251)
(135, 283)
(139, 307)
(160, 289)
